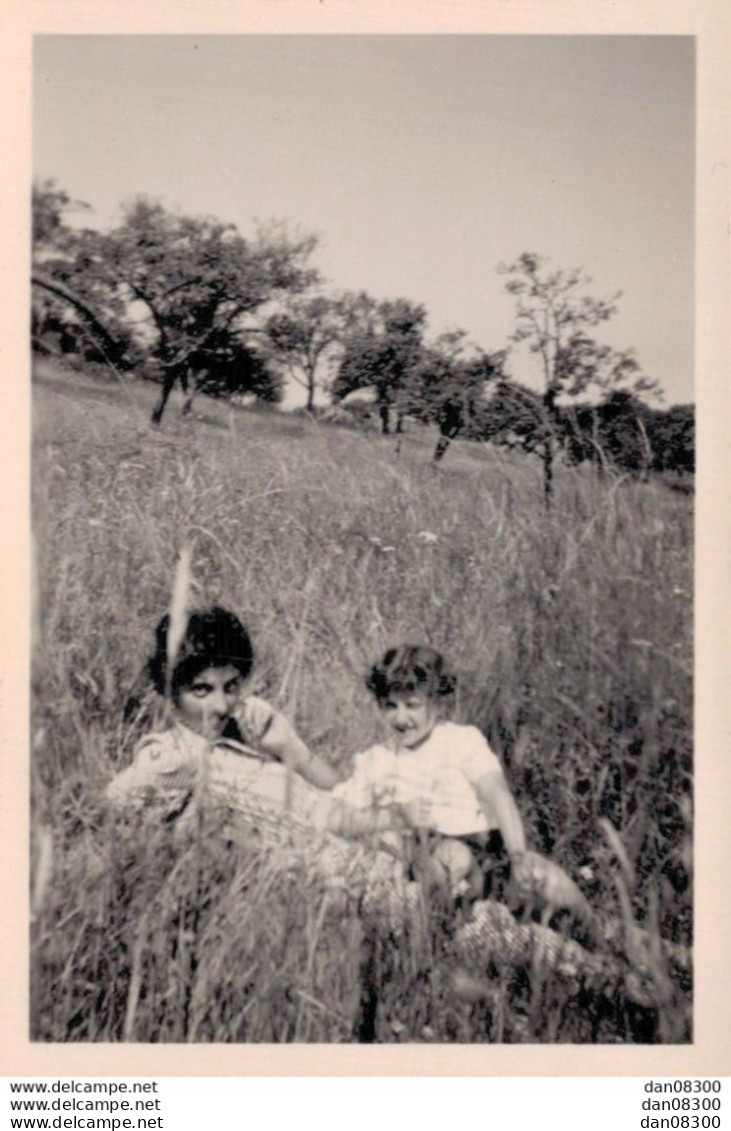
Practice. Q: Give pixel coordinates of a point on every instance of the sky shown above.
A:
(422, 162)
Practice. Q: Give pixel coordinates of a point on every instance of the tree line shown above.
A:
(189, 300)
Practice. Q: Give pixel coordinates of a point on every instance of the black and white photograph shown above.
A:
(362, 505)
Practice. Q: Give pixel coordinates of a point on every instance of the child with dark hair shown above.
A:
(442, 778)
(217, 728)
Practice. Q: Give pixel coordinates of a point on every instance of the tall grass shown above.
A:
(570, 631)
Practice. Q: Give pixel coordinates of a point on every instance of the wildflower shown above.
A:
(427, 537)
(586, 873)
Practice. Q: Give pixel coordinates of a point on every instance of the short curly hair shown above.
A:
(213, 638)
(410, 667)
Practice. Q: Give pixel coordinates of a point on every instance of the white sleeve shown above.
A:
(473, 755)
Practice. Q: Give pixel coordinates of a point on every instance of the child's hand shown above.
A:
(417, 813)
(383, 794)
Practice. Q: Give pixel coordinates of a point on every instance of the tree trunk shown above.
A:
(548, 471)
(442, 445)
(194, 389)
(549, 406)
(105, 339)
(171, 375)
(449, 430)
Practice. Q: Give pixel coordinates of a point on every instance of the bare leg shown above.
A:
(453, 866)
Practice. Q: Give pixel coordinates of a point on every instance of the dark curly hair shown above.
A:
(410, 667)
(213, 638)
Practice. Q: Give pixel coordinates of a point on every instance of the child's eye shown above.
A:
(200, 690)
(233, 686)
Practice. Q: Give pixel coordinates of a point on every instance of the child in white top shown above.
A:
(430, 773)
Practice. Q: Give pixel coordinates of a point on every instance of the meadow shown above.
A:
(570, 631)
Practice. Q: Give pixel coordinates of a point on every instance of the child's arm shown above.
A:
(361, 807)
(484, 772)
(499, 805)
(532, 874)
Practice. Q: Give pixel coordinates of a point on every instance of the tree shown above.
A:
(619, 431)
(448, 386)
(672, 435)
(99, 344)
(624, 432)
(58, 312)
(383, 345)
(49, 206)
(227, 366)
(615, 432)
(197, 278)
(553, 316)
(184, 284)
(513, 416)
(303, 338)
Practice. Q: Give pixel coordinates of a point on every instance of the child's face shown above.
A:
(206, 704)
(410, 717)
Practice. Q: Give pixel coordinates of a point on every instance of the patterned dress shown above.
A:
(256, 798)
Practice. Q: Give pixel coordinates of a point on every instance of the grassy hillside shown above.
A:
(571, 634)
